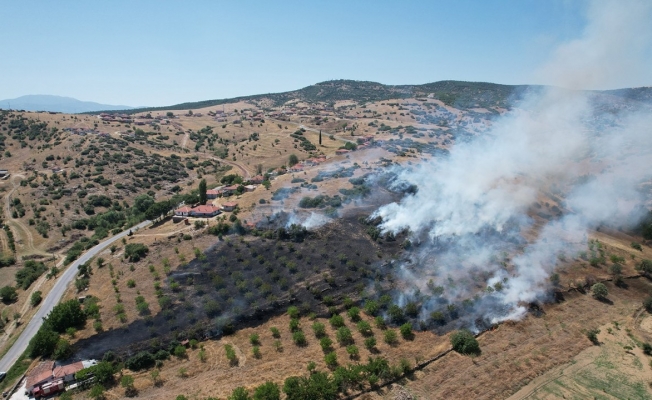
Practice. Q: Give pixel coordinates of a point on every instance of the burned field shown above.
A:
(244, 280)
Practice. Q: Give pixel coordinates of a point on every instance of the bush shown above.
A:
(239, 393)
(230, 354)
(371, 307)
(36, 298)
(293, 312)
(365, 328)
(142, 360)
(647, 349)
(336, 321)
(275, 332)
(254, 339)
(370, 343)
(331, 359)
(135, 251)
(354, 314)
(299, 338)
(593, 336)
(344, 336)
(464, 342)
(294, 325)
(406, 331)
(353, 351)
(319, 329)
(599, 291)
(180, 351)
(8, 294)
(267, 391)
(390, 337)
(647, 303)
(325, 343)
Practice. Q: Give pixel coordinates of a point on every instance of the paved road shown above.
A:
(53, 298)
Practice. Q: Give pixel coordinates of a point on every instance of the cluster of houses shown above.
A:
(114, 117)
(363, 143)
(84, 131)
(48, 378)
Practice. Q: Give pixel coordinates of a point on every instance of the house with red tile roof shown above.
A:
(205, 211)
(183, 211)
(212, 194)
(230, 206)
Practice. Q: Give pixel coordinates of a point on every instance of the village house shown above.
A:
(183, 211)
(230, 206)
(205, 211)
(257, 180)
(228, 190)
(340, 152)
(250, 188)
(48, 372)
(212, 194)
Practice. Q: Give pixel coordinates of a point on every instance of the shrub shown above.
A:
(592, 334)
(353, 351)
(275, 332)
(142, 360)
(180, 351)
(239, 393)
(371, 308)
(256, 351)
(319, 329)
(331, 359)
(647, 349)
(230, 354)
(599, 291)
(293, 312)
(135, 251)
(325, 343)
(336, 321)
(131, 283)
(354, 314)
(344, 336)
(364, 328)
(406, 331)
(390, 337)
(370, 343)
(380, 322)
(294, 325)
(8, 294)
(36, 298)
(647, 303)
(299, 338)
(464, 342)
(267, 391)
(254, 339)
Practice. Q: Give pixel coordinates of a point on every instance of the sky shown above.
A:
(158, 53)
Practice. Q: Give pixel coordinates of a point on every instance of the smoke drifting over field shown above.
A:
(473, 205)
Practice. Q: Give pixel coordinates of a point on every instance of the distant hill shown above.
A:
(462, 95)
(56, 104)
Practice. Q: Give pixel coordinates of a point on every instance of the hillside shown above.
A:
(329, 156)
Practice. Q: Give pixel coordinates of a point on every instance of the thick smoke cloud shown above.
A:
(477, 205)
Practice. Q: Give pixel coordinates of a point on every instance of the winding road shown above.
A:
(54, 296)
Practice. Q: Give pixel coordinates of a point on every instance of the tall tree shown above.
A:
(320, 136)
(202, 191)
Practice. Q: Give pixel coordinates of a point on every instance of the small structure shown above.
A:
(212, 194)
(340, 152)
(230, 206)
(182, 212)
(67, 372)
(250, 188)
(205, 211)
(257, 180)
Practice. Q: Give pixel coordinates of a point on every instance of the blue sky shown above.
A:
(163, 52)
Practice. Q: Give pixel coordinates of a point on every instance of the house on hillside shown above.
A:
(205, 211)
(250, 188)
(183, 211)
(257, 180)
(212, 194)
(67, 372)
(48, 373)
(340, 152)
(230, 206)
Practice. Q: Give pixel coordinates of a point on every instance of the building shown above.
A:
(341, 152)
(212, 194)
(205, 211)
(250, 188)
(230, 206)
(47, 377)
(257, 180)
(183, 211)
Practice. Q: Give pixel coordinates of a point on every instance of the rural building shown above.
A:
(212, 193)
(3, 173)
(250, 188)
(230, 206)
(228, 190)
(205, 211)
(47, 377)
(67, 372)
(183, 211)
(340, 152)
(257, 180)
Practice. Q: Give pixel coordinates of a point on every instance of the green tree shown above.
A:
(267, 391)
(239, 393)
(8, 294)
(127, 382)
(202, 192)
(143, 202)
(599, 291)
(36, 298)
(44, 342)
(293, 160)
(65, 315)
(464, 342)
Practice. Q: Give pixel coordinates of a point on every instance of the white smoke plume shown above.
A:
(476, 204)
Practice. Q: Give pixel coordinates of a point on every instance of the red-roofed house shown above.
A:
(229, 206)
(341, 151)
(67, 372)
(39, 375)
(212, 194)
(205, 211)
(183, 211)
(257, 180)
